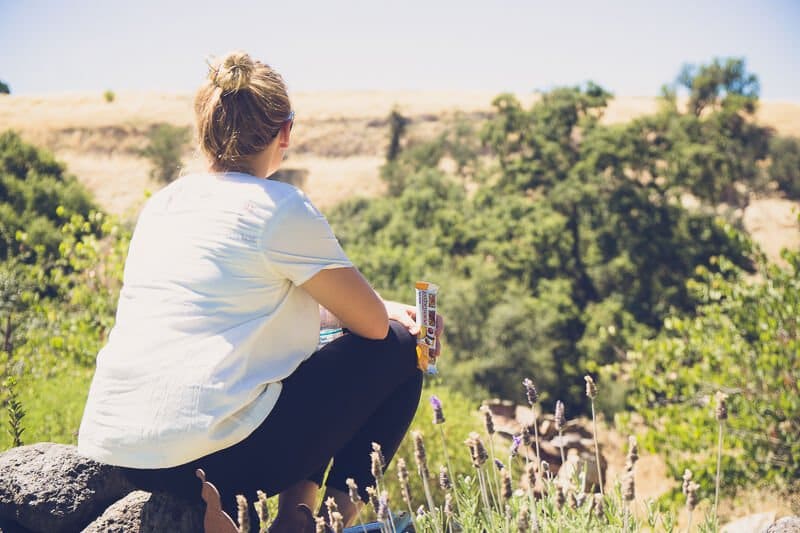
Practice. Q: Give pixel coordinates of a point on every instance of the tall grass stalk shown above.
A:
(591, 392)
(560, 419)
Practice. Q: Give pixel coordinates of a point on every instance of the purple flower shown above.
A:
(438, 413)
(499, 464)
(515, 442)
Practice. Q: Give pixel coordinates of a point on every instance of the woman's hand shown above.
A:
(407, 315)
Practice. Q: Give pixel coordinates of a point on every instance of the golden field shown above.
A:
(339, 139)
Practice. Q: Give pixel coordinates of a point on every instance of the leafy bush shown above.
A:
(744, 341)
(784, 168)
(109, 96)
(4, 88)
(38, 196)
(571, 240)
(166, 144)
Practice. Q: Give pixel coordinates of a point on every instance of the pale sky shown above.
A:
(628, 47)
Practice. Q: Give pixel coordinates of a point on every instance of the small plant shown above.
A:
(15, 412)
(164, 150)
(109, 96)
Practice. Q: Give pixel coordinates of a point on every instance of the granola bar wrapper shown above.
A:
(427, 295)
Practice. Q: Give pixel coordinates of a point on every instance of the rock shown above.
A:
(789, 524)
(750, 523)
(49, 487)
(143, 512)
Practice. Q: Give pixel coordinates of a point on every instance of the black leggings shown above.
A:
(352, 392)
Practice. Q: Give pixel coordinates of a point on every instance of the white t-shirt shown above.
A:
(210, 319)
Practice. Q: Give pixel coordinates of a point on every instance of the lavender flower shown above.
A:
(337, 522)
(419, 455)
(687, 477)
(530, 391)
(722, 406)
(243, 514)
(560, 418)
(330, 504)
(383, 507)
(507, 490)
(402, 476)
(444, 479)
(448, 505)
(438, 413)
(515, 442)
(599, 506)
(261, 507)
(591, 388)
(488, 420)
(381, 459)
(375, 466)
(352, 489)
(499, 464)
(372, 494)
(523, 520)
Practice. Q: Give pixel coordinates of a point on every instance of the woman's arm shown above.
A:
(346, 294)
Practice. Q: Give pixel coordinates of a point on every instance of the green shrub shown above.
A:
(4, 88)
(109, 96)
(784, 168)
(744, 341)
(166, 144)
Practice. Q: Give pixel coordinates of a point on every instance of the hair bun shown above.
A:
(233, 72)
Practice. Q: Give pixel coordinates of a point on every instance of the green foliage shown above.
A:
(109, 96)
(15, 412)
(166, 144)
(4, 88)
(784, 169)
(572, 240)
(37, 196)
(60, 273)
(745, 341)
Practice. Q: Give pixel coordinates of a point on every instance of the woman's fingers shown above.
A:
(405, 314)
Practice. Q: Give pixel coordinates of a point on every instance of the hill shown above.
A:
(339, 143)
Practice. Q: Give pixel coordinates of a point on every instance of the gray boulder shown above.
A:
(143, 512)
(788, 524)
(50, 487)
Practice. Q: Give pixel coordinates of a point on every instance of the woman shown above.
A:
(212, 362)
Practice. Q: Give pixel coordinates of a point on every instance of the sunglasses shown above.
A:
(290, 119)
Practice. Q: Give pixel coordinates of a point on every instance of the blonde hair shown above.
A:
(239, 110)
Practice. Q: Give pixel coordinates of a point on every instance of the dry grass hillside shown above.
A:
(340, 139)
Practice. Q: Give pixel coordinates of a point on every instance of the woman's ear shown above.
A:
(284, 135)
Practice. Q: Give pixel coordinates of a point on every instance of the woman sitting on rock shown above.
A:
(213, 360)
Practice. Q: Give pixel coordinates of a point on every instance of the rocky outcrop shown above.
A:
(144, 512)
(50, 488)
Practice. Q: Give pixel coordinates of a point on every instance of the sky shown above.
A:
(629, 47)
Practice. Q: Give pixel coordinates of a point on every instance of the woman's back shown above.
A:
(208, 315)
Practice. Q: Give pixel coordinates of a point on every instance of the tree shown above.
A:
(784, 169)
(37, 197)
(397, 128)
(165, 149)
(4, 88)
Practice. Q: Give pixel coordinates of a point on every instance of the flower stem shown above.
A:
(597, 450)
(719, 468)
